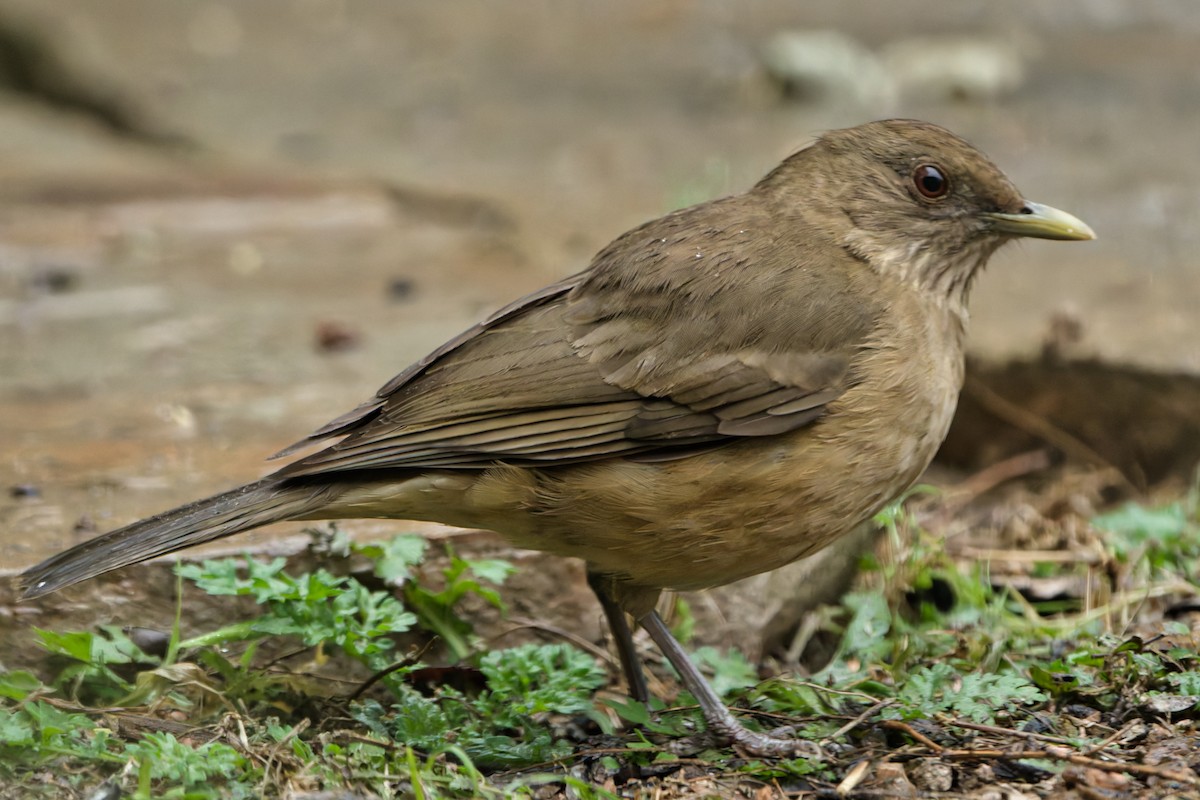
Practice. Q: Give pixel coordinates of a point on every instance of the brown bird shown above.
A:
(722, 391)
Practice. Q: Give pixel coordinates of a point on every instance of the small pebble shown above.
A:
(109, 790)
(931, 775)
(151, 641)
(54, 279)
(400, 288)
(333, 337)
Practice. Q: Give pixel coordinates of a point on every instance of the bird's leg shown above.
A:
(618, 623)
(721, 722)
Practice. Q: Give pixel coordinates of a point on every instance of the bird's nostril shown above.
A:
(1026, 210)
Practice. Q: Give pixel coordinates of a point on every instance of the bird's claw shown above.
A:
(778, 743)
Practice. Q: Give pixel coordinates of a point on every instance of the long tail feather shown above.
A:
(250, 506)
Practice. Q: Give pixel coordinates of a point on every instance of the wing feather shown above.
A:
(632, 358)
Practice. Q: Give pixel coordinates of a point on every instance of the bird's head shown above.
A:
(915, 201)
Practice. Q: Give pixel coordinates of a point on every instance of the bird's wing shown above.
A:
(622, 359)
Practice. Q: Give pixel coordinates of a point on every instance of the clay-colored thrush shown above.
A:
(722, 391)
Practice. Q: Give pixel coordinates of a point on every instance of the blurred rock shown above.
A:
(151, 641)
(109, 790)
(333, 337)
(891, 780)
(1170, 703)
(32, 64)
(826, 65)
(931, 775)
(54, 278)
(954, 68)
(400, 289)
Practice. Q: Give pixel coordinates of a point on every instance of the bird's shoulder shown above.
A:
(736, 279)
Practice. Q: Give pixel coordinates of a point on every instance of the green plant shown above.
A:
(317, 608)
(1163, 540)
(988, 656)
(523, 684)
(92, 657)
(940, 688)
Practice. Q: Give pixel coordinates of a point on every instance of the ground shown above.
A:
(224, 224)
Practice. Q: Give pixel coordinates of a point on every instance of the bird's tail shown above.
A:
(250, 506)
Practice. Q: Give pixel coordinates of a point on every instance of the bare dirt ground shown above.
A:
(222, 224)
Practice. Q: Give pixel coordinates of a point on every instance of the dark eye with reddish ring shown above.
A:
(930, 181)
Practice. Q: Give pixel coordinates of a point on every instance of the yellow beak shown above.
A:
(1041, 222)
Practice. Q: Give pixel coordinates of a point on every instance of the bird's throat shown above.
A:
(945, 273)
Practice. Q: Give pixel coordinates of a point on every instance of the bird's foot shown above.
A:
(722, 726)
(775, 744)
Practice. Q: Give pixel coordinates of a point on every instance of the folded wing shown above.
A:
(616, 361)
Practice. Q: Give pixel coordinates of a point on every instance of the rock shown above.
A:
(931, 775)
(1170, 703)
(954, 68)
(826, 65)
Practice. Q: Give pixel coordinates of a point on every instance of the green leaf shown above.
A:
(977, 696)
(1187, 683)
(1057, 678)
(730, 670)
(72, 644)
(866, 634)
(167, 758)
(50, 721)
(630, 710)
(494, 570)
(15, 729)
(436, 610)
(394, 559)
(684, 623)
(318, 608)
(535, 678)
(18, 684)
(1138, 523)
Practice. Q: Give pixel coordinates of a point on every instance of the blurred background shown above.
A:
(224, 223)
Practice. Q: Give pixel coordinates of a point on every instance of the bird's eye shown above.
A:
(930, 181)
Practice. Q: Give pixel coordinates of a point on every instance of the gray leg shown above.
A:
(618, 623)
(720, 722)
